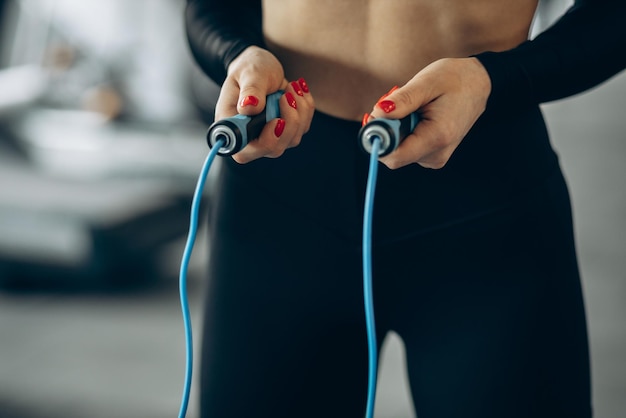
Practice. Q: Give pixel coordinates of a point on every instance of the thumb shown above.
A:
(402, 101)
(253, 91)
(251, 99)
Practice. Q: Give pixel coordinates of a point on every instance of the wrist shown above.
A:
(480, 78)
(255, 62)
(242, 55)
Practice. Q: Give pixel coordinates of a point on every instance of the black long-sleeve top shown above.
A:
(582, 49)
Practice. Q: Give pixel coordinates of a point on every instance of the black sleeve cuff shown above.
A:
(510, 85)
(219, 31)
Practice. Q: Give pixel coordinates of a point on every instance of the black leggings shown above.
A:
(474, 268)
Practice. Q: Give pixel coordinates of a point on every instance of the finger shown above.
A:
(308, 102)
(226, 105)
(402, 101)
(268, 143)
(277, 135)
(253, 91)
(428, 146)
(294, 110)
(305, 104)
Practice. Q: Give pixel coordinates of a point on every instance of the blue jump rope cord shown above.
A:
(193, 229)
(367, 277)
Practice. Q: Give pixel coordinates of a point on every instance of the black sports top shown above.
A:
(584, 48)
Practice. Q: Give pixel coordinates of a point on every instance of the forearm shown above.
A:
(584, 48)
(218, 31)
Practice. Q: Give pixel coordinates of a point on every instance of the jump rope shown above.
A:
(228, 136)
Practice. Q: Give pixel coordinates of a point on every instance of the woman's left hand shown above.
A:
(450, 94)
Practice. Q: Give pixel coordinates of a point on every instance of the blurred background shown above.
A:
(102, 122)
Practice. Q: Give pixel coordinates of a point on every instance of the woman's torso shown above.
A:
(352, 51)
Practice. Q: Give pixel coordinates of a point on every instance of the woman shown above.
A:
(474, 258)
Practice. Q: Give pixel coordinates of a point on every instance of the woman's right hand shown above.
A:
(252, 76)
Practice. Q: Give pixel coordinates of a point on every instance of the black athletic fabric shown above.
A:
(584, 48)
(475, 270)
(218, 31)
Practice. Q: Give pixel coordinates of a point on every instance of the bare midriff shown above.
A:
(351, 52)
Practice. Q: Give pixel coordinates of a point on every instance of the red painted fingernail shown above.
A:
(280, 127)
(249, 101)
(387, 106)
(303, 85)
(291, 100)
(366, 117)
(297, 88)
